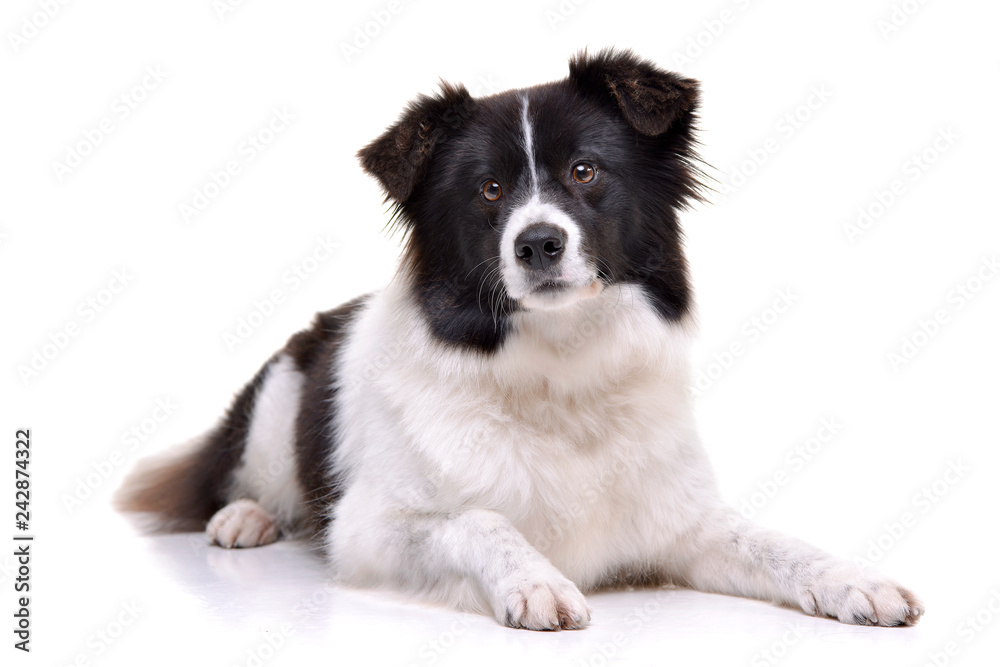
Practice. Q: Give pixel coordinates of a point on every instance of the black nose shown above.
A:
(540, 246)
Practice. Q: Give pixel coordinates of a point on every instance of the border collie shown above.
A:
(507, 425)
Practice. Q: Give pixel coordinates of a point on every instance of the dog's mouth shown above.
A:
(550, 286)
(558, 293)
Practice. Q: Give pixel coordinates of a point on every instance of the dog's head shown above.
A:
(539, 198)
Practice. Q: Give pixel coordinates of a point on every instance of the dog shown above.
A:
(507, 425)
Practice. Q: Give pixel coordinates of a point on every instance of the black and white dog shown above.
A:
(507, 424)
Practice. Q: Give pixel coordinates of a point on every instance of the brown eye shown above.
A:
(583, 172)
(491, 191)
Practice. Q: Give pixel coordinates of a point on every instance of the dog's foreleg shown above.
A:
(731, 555)
(416, 551)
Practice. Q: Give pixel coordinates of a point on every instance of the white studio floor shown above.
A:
(174, 599)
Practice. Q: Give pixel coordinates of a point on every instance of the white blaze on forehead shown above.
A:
(529, 145)
(573, 269)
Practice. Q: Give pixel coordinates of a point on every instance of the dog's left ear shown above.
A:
(399, 157)
(651, 99)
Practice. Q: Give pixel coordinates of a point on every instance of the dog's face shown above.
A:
(539, 198)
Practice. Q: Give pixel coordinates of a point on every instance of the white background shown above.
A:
(886, 92)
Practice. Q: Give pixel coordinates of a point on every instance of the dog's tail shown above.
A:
(175, 491)
(182, 489)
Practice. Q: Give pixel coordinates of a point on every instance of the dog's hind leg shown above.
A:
(265, 497)
(240, 479)
(243, 523)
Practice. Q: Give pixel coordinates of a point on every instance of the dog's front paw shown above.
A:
(243, 523)
(547, 601)
(851, 595)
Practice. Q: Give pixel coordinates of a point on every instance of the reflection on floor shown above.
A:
(173, 599)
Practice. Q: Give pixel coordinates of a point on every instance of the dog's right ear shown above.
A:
(400, 155)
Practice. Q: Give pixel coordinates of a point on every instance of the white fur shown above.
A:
(268, 472)
(242, 523)
(577, 433)
(510, 482)
(529, 146)
(574, 269)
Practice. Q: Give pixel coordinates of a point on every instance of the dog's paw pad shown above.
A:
(861, 598)
(537, 604)
(243, 523)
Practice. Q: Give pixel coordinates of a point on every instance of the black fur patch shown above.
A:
(399, 156)
(314, 351)
(225, 449)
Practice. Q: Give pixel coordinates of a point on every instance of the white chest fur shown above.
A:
(578, 430)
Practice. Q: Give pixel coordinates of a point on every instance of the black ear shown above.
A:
(650, 99)
(398, 157)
